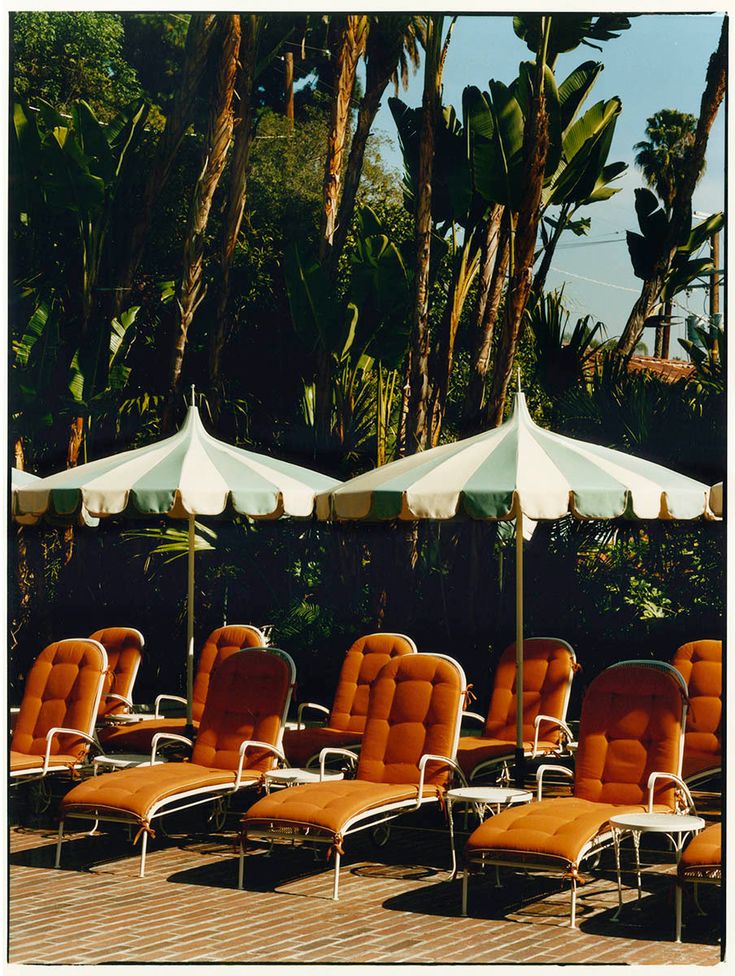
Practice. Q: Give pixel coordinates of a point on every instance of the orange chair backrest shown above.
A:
(700, 663)
(221, 644)
(62, 689)
(248, 698)
(415, 707)
(124, 646)
(632, 722)
(548, 668)
(361, 666)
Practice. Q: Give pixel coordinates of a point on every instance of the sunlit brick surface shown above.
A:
(397, 904)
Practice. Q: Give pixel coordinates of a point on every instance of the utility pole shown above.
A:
(288, 86)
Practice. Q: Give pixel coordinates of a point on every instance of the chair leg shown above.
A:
(241, 866)
(678, 910)
(335, 892)
(465, 890)
(59, 841)
(573, 919)
(143, 849)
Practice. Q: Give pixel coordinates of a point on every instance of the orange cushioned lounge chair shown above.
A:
(346, 721)
(628, 760)
(124, 647)
(221, 643)
(239, 739)
(700, 663)
(701, 863)
(549, 665)
(406, 760)
(54, 727)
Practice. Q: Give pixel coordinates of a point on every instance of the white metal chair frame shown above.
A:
(604, 839)
(297, 835)
(566, 745)
(175, 804)
(45, 767)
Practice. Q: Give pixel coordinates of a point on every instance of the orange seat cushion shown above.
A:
(134, 792)
(138, 736)
(123, 646)
(327, 806)
(62, 690)
(20, 762)
(558, 828)
(704, 851)
(300, 745)
(700, 663)
(476, 749)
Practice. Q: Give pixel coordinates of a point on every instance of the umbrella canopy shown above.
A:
(517, 467)
(716, 494)
(515, 471)
(24, 479)
(188, 474)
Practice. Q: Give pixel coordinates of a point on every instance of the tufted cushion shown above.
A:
(362, 663)
(22, 763)
(327, 806)
(547, 666)
(124, 646)
(630, 726)
(557, 828)
(62, 689)
(220, 645)
(414, 709)
(475, 749)
(703, 852)
(700, 663)
(246, 700)
(134, 792)
(300, 745)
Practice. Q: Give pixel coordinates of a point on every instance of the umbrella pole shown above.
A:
(520, 761)
(190, 629)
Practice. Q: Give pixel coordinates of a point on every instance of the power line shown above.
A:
(594, 281)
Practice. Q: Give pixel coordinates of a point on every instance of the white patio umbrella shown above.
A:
(188, 474)
(518, 471)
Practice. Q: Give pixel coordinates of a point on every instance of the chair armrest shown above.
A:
(245, 745)
(120, 698)
(305, 705)
(445, 761)
(548, 767)
(327, 751)
(559, 723)
(171, 736)
(475, 715)
(679, 782)
(60, 730)
(160, 698)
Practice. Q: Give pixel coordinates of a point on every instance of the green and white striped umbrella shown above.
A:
(518, 466)
(518, 471)
(188, 474)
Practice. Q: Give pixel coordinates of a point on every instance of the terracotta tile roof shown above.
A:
(670, 370)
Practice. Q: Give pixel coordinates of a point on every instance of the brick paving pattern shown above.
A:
(397, 904)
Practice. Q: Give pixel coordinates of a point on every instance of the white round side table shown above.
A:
(675, 826)
(483, 800)
(280, 778)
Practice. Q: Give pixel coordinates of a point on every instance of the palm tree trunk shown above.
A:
(351, 46)
(681, 210)
(219, 134)
(539, 279)
(417, 421)
(237, 190)
(488, 306)
(535, 149)
(202, 29)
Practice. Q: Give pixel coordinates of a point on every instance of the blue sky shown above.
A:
(659, 63)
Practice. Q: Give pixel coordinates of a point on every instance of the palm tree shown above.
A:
(663, 156)
(216, 147)
(712, 97)
(392, 46)
(416, 396)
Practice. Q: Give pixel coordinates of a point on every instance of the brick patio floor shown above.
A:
(397, 904)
